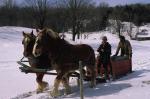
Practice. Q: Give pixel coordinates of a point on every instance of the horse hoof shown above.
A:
(44, 85)
(38, 90)
(92, 86)
(67, 92)
(54, 94)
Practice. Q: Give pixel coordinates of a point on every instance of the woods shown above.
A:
(75, 15)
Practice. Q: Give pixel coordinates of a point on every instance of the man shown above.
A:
(125, 47)
(104, 58)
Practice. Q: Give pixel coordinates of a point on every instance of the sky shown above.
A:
(112, 2)
(122, 2)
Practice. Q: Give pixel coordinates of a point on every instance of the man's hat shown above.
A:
(122, 37)
(104, 38)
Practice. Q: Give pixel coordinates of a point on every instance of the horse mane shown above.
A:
(56, 37)
(51, 33)
(63, 45)
(59, 45)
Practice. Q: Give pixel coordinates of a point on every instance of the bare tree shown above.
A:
(102, 15)
(118, 27)
(39, 9)
(8, 3)
(130, 29)
(116, 15)
(130, 15)
(76, 9)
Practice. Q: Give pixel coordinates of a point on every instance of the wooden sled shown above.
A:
(121, 66)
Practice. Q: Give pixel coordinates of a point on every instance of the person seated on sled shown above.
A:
(125, 47)
(104, 57)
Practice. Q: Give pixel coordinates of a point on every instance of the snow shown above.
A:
(14, 83)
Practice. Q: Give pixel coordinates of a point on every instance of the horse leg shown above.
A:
(65, 82)
(93, 76)
(41, 84)
(105, 66)
(57, 81)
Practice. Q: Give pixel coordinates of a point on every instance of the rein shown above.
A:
(21, 60)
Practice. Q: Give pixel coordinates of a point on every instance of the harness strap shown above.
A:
(21, 60)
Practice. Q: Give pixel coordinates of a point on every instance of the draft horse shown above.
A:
(42, 61)
(64, 57)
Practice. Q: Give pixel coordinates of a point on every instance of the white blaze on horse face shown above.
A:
(26, 40)
(35, 48)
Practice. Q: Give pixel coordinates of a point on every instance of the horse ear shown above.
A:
(32, 33)
(24, 34)
(37, 30)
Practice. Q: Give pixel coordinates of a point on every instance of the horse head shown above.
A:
(45, 40)
(28, 42)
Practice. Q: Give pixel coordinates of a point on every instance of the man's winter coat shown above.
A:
(125, 47)
(105, 52)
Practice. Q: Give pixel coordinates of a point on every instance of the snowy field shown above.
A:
(13, 83)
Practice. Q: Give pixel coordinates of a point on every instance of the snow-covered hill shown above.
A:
(14, 83)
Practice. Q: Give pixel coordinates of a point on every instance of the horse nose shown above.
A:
(25, 54)
(36, 53)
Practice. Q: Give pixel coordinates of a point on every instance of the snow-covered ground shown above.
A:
(13, 83)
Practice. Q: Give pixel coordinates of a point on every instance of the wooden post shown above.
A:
(81, 80)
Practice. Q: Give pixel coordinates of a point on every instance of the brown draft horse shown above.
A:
(64, 57)
(37, 62)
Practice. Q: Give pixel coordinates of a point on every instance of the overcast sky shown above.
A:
(115, 2)
(123, 2)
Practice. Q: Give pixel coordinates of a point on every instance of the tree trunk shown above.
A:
(73, 37)
(78, 36)
(73, 32)
(130, 31)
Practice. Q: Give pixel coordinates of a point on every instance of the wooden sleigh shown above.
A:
(121, 66)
